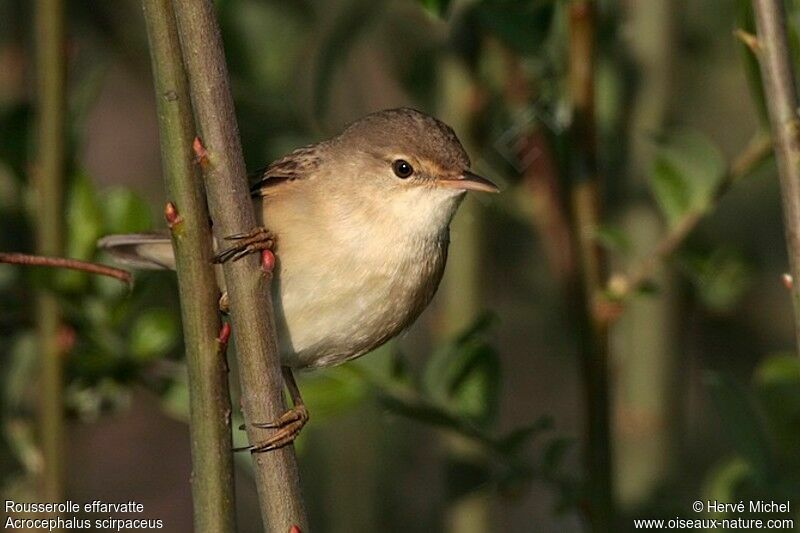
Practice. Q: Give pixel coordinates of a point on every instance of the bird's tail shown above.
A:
(140, 250)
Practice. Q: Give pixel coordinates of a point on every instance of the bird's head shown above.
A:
(410, 160)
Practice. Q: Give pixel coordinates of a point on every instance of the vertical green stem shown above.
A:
(248, 285)
(646, 363)
(593, 328)
(461, 294)
(210, 406)
(49, 175)
(778, 78)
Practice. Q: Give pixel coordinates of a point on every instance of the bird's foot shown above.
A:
(259, 238)
(288, 426)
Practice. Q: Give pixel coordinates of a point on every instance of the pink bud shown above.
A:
(224, 333)
(171, 214)
(200, 151)
(267, 260)
(66, 338)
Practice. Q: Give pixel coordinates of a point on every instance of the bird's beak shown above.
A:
(470, 182)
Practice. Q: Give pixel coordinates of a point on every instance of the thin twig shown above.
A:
(277, 477)
(209, 398)
(70, 264)
(777, 76)
(749, 40)
(622, 286)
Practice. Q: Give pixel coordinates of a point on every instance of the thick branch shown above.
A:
(540, 174)
(778, 78)
(49, 174)
(209, 397)
(593, 331)
(248, 286)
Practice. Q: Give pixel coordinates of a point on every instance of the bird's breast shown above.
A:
(339, 296)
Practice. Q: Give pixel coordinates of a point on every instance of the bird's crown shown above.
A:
(406, 130)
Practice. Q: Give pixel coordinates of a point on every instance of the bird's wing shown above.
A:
(296, 165)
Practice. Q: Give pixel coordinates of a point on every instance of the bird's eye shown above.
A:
(402, 168)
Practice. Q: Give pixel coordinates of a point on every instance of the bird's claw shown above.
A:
(258, 238)
(224, 303)
(288, 425)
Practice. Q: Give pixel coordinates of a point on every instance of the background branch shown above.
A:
(70, 264)
(754, 153)
(248, 287)
(209, 397)
(778, 79)
(49, 180)
(590, 277)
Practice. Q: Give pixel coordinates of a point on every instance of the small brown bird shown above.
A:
(361, 225)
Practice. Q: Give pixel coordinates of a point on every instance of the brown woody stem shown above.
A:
(220, 154)
(187, 217)
(592, 328)
(755, 152)
(49, 181)
(70, 264)
(777, 75)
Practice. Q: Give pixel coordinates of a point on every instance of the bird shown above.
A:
(360, 225)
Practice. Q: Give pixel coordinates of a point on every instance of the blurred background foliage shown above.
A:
(471, 421)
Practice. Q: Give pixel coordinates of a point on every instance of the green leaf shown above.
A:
(613, 239)
(724, 481)
(670, 190)
(125, 212)
(783, 369)
(465, 374)
(741, 423)
(474, 391)
(91, 402)
(84, 225)
(516, 439)
(153, 334)
(93, 365)
(463, 477)
(523, 25)
(9, 276)
(15, 126)
(19, 399)
(333, 392)
(746, 21)
(515, 480)
(84, 218)
(555, 453)
(777, 381)
(699, 161)
(10, 189)
(110, 289)
(437, 8)
(399, 367)
(420, 411)
(686, 172)
(721, 277)
(20, 370)
(437, 374)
